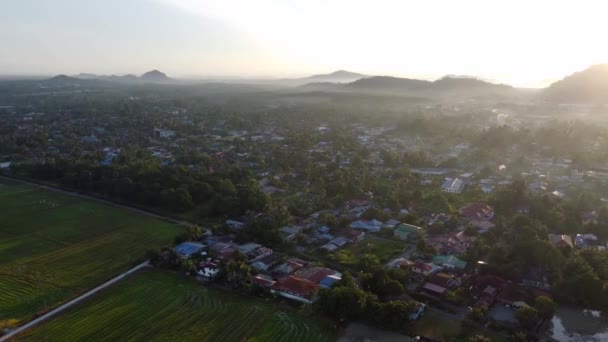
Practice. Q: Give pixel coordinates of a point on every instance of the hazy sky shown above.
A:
(518, 42)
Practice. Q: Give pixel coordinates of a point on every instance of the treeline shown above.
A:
(136, 176)
(370, 301)
(518, 248)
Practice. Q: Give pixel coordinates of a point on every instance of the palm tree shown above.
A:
(194, 232)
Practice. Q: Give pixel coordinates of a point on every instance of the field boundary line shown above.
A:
(13, 333)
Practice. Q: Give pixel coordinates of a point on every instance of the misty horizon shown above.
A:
(235, 39)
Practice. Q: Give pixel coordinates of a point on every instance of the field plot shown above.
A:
(55, 246)
(157, 306)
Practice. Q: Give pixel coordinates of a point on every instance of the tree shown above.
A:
(189, 266)
(421, 246)
(329, 220)
(395, 314)
(545, 306)
(237, 271)
(373, 213)
(194, 232)
(477, 314)
(367, 261)
(344, 302)
(153, 255)
(479, 338)
(577, 275)
(527, 317)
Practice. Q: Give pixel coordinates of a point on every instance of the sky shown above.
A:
(524, 43)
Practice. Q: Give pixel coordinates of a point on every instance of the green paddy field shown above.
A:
(157, 306)
(55, 246)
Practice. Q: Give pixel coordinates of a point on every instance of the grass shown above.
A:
(54, 246)
(384, 249)
(153, 305)
(436, 324)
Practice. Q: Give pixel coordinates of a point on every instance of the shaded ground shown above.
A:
(356, 332)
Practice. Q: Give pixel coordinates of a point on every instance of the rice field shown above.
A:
(54, 246)
(153, 305)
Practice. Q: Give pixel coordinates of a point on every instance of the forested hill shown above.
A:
(587, 86)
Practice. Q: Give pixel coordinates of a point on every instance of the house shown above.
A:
(450, 243)
(535, 278)
(235, 224)
(329, 247)
(487, 188)
(420, 309)
(186, 250)
(324, 230)
(405, 231)
(263, 264)
(209, 269)
(340, 241)
(355, 235)
(329, 281)
(316, 273)
(368, 225)
(223, 250)
(452, 185)
(477, 212)
(589, 217)
(258, 254)
(391, 224)
(299, 289)
(444, 279)
(262, 280)
(325, 237)
(585, 240)
(482, 226)
(433, 289)
(288, 233)
(163, 133)
(248, 247)
(399, 263)
(450, 262)
(560, 240)
(440, 282)
(487, 298)
(291, 265)
(424, 269)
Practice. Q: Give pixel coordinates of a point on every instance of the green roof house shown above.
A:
(404, 231)
(450, 262)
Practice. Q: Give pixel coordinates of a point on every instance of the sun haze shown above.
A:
(518, 42)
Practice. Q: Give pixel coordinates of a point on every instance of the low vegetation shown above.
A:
(55, 246)
(157, 306)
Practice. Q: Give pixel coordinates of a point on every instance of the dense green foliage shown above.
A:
(347, 301)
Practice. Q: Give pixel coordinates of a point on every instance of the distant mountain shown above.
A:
(343, 75)
(388, 83)
(461, 87)
(154, 76)
(62, 79)
(587, 86)
(340, 76)
(123, 78)
(86, 75)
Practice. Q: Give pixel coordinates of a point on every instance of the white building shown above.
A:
(209, 269)
(163, 133)
(453, 185)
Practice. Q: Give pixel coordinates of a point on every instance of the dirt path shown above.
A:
(71, 303)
